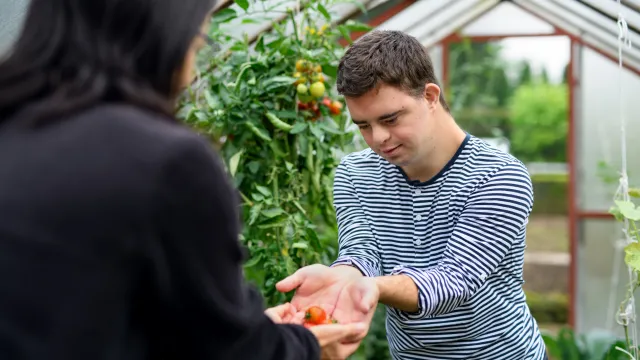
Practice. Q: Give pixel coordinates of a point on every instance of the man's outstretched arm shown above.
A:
(494, 216)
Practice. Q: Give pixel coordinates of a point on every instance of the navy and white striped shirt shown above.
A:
(460, 236)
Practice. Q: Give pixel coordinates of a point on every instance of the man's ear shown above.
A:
(432, 93)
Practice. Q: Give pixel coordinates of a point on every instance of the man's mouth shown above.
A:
(391, 150)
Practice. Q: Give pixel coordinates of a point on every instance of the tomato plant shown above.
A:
(271, 109)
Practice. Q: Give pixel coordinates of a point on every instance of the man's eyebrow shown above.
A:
(390, 115)
(380, 118)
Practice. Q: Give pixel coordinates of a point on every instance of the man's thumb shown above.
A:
(289, 283)
(327, 334)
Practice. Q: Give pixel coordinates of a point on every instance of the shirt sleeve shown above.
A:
(207, 310)
(493, 218)
(356, 243)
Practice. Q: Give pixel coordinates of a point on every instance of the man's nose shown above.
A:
(380, 134)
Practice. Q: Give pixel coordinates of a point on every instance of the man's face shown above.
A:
(395, 125)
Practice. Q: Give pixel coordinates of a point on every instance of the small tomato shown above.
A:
(335, 108)
(317, 89)
(302, 89)
(315, 315)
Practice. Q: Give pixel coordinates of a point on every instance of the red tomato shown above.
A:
(315, 315)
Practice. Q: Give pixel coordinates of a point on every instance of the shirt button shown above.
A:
(419, 217)
(418, 191)
(418, 242)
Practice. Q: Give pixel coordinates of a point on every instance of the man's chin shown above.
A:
(396, 160)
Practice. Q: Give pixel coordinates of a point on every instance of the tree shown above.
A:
(544, 76)
(539, 122)
(478, 88)
(565, 74)
(526, 75)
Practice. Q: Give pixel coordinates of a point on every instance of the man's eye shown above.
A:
(363, 126)
(391, 121)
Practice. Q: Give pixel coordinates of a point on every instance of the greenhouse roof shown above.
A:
(261, 14)
(594, 22)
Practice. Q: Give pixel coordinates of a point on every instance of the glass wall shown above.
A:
(601, 273)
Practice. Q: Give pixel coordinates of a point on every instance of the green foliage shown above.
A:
(526, 75)
(281, 145)
(549, 308)
(478, 89)
(550, 194)
(627, 212)
(593, 346)
(538, 121)
(531, 112)
(375, 345)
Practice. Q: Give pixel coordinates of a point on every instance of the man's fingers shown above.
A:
(291, 282)
(327, 334)
(369, 301)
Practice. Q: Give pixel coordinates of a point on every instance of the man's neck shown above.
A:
(445, 145)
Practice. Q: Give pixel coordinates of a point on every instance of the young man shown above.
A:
(434, 215)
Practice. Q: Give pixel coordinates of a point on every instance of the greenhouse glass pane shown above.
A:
(603, 38)
(506, 19)
(595, 20)
(598, 130)
(418, 12)
(631, 16)
(435, 53)
(601, 276)
(589, 10)
(453, 18)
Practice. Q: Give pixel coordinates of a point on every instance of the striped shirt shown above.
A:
(460, 236)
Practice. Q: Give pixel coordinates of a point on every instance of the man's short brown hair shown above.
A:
(384, 56)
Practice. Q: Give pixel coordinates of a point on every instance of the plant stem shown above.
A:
(246, 199)
(635, 229)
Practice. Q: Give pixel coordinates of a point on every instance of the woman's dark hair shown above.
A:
(75, 53)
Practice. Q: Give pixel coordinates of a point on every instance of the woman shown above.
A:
(118, 227)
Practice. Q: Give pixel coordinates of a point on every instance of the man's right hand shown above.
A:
(342, 291)
(315, 285)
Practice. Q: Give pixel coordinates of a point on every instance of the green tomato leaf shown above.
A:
(253, 166)
(353, 25)
(244, 4)
(264, 190)
(298, 128)
(273, 212)
(628, 210)
(253, 261)
(234, 161)
(345, 33)
(634, 192)
(324, 12)
(224, 15)
(632, 256)
(277, 81)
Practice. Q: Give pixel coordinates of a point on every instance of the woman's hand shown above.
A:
(335, 339)
(282, 314)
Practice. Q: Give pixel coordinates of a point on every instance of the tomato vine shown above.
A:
(271, 109)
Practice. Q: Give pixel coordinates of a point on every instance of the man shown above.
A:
(433, 217)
